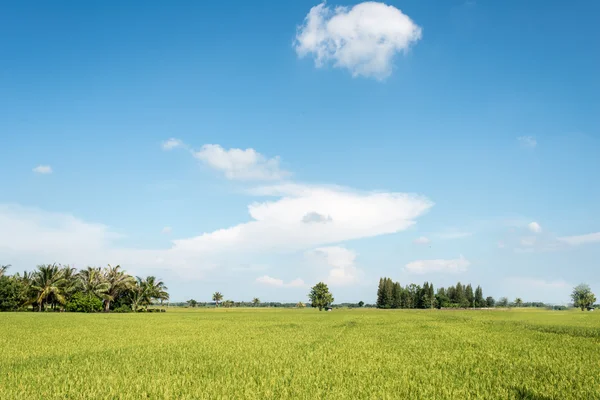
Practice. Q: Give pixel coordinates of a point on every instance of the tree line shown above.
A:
(54, 287)
(391, 294)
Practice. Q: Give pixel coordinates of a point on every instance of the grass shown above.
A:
(301, 354)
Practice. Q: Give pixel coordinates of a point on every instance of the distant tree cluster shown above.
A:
(62, 288)
(391, 294)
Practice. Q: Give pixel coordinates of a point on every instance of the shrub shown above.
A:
(123, 309)
(84, 303)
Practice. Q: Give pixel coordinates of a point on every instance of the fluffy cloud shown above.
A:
(267, 280)
(43, 169)
(581, 239)
(341, 261)
(278, 225)
(171, 144)
(422, 240)
(426, 266)
(363, 39)
(527, 141)
(241, 164)
(31, 236)
(534, 227)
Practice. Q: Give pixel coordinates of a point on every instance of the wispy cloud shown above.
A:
(527, 141)
(171, 144)
(166, 230)
(239, 164)
(270, 281)
(581, 239)
(456, 265)
(43, 169)
(422, 240)
(362, 39)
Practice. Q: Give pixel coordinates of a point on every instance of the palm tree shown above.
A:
(93, 283)
(300, 305)
(255, 301)
(152, 289)
(217, 297)
(3, 269)
(118, 282)
(71, 282)
(48, 281)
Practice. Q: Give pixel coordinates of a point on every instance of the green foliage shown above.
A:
(13, 294)
(207, 353)
(583, 297)
(490, 302)
(319, 296)
(217, 297)
(55, 287)
(361, 303)
(502, 302)
(84, 302)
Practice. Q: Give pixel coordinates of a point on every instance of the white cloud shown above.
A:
(539, 283)
(278, 225)
(166, 230)
(171, 144)
(363, 39)
(43, 169)
(527, 141)
(427, 266)
(31, 236)
(422, 240)
(267, 280)
(341, 261)
(581, 239)
(241, 164)
(534, 227)
(528, 241)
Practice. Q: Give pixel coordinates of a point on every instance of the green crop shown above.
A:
(301, 354)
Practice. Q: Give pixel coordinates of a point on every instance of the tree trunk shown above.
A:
(106, 305)
(40, 306)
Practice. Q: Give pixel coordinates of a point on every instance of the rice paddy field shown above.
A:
(301, 354)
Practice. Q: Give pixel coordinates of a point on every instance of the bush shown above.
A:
(13, 294)
(123, 309)
(84, 303)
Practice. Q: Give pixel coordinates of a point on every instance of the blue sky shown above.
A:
(256, 148)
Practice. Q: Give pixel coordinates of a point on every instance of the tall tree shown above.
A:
(255, 301)
(479, 301)
(92, 282)
(117, 282)
(397, 295)
(217, 297)
(583, 297)
(470, 296)
(490, 302)
(380, 294)
(47, 281)
(319, 296)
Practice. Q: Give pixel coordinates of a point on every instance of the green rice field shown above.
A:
(301, 354)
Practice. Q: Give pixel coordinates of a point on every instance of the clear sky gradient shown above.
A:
(257, 147)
